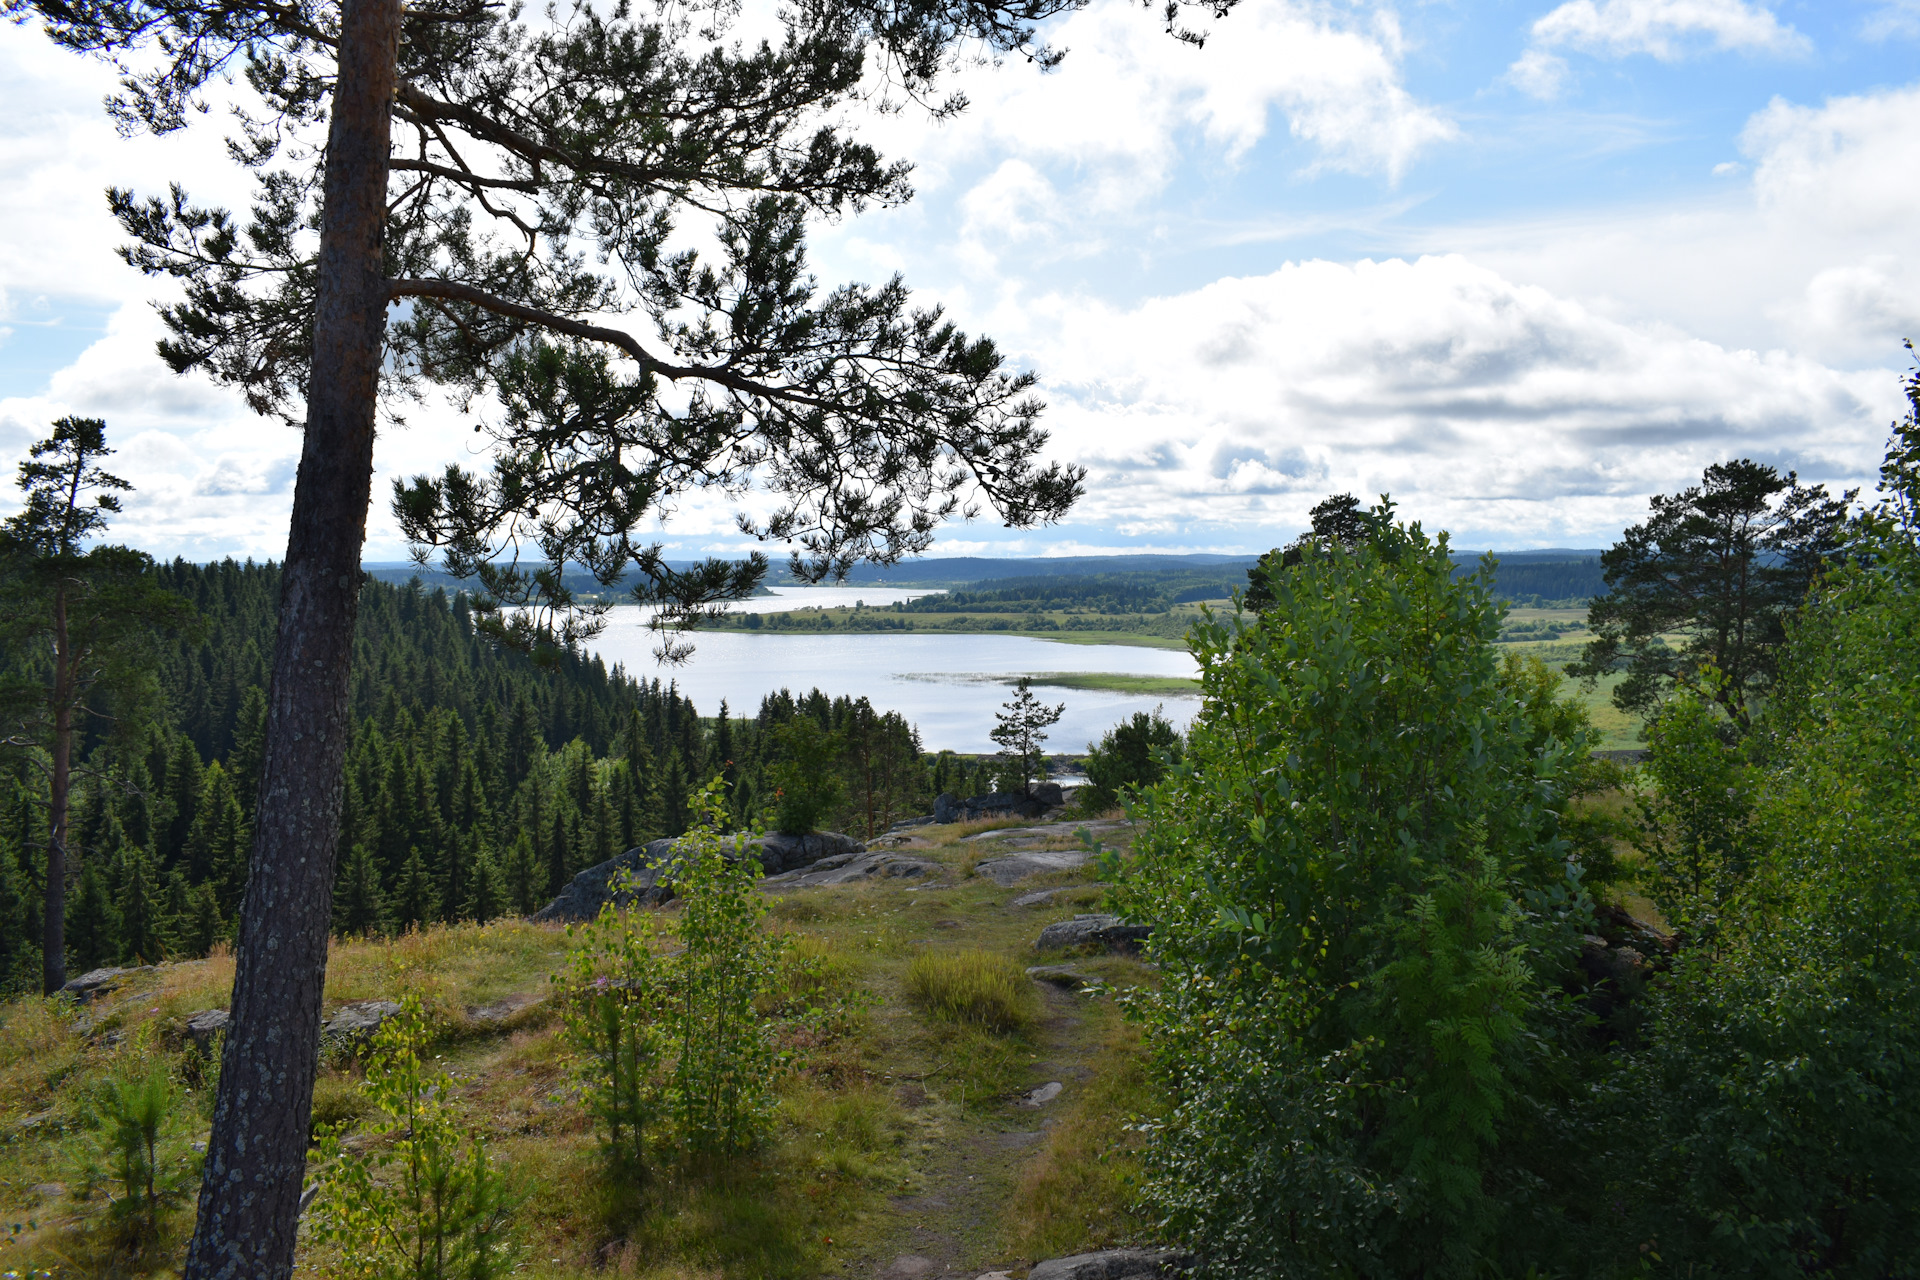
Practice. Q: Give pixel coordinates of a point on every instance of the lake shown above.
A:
(948, 685)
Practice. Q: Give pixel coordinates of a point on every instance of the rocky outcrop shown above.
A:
(1116, 1264)
(98, 982)
(1016, 867)
(645, 874)
(1106, 931)
(1041, 797)
(781, 852)
(847, 868)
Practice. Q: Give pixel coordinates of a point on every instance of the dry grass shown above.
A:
(974, 987)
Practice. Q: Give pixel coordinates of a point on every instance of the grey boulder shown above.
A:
(781, 852)
(203, 1026)
(353, 1025)
(1116, 1264)
(999, 804)
(1016, 867)
(1093, 931)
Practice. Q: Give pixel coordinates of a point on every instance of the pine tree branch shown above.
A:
(451, 291)
(463, 177)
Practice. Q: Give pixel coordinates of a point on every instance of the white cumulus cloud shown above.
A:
(1664, 29)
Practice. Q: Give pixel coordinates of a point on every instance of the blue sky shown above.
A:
(1519, 264)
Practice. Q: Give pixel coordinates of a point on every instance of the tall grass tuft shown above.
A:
(974, 987)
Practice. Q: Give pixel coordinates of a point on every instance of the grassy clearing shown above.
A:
(908, 1095)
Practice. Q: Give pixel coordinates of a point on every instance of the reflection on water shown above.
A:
(948, 685)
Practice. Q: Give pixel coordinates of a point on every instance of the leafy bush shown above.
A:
(611, 998)
(722, 1085)
(422, 1201)
(974, 987)
(1366, 907)
(680, 1036)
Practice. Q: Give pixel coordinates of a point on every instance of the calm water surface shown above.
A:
(948, 685)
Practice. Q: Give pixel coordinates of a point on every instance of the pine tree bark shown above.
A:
(256, 1153)
(53, 925)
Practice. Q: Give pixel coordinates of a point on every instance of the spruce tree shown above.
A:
(139, 907)
(93, 928)
(414, 902)
(489, 897)
(176, 911)
(455, 878)
(186, 779)
(15, 923)
(558, 847)
(359, 907)
(204, 925)
(523, 876)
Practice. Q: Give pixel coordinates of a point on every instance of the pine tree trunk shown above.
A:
(53, 925)
(256, 1153)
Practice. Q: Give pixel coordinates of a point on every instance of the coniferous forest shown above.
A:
(478, 781)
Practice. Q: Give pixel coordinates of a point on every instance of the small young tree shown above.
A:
(613, 993)
(75, 621)
(428, 1204)
(1020, 728)
(722, 1083)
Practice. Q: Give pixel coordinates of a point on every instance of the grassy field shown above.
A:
(898, 1136)
(1109, 682)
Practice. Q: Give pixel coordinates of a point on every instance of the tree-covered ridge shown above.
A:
(1106, 593)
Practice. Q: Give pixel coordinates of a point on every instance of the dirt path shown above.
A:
(953, 1225)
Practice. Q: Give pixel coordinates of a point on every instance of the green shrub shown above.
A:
(680, 1036)
(423, 1201)
(725, 1062)
(611, 997)
(974, 987)
(1365, 909)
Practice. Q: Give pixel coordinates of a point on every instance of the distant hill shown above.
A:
(1549, 573)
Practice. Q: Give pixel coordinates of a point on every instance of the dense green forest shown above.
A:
(477, 781)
